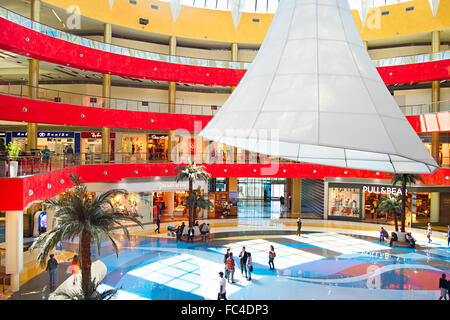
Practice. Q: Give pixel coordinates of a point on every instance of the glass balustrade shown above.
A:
(37, 164)
(110, 103)
(25, 22)
(419, 109)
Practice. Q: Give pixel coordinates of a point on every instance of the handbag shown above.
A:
(251, 268)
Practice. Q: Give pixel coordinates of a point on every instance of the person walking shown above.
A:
(299, 226)
(429, 232)
(443, 286)
(243, 256)
(225, 257)
(52, 265)
(222, 284)
(272, 256)
(230, 267)
(158, 223)
(75, 268)
(249, 266)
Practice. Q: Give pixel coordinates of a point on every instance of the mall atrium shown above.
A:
(295, 109)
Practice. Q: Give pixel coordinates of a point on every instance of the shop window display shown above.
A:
(344, 202)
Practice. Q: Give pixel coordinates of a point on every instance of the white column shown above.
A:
(434, 207)
(170, 204)
(50, 216)
(14, 246)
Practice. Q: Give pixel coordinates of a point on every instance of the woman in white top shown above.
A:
(429, 232)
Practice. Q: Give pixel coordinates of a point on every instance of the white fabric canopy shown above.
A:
(313, 95)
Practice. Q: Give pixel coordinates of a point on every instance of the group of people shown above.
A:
(52, 267)
(384, 234)
(246, 264)
(205, 231)
(409, 238)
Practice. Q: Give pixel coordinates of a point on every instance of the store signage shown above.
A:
(45, 134)
(95, 135)
(384, 190)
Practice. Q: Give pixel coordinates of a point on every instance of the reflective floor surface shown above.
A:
(330, 260)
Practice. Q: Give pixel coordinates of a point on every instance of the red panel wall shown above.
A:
(16, 193)
(67, 114)
(29, 110)
(25, 41)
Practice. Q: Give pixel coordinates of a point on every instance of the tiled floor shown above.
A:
(331, 260)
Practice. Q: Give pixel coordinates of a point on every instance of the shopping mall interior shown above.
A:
(122, 92)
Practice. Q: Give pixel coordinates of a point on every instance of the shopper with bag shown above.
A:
(272, 256)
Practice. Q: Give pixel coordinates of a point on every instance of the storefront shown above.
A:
(361, 201)
(261, 189)
(158, 146)
(134, 147)
(56, 142)
(91, 146)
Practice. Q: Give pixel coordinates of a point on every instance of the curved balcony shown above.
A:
(45, 43)
(50, 95)
(95, 111)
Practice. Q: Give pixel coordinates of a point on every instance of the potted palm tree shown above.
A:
(199, 201)
(405, 179)
(13, 152)
(192, 173)
(91, 219)
(390, 205)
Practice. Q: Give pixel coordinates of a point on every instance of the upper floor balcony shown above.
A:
(42, 42)
(72, 98)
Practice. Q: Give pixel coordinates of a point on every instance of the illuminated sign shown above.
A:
(384, 190)
(45, 134)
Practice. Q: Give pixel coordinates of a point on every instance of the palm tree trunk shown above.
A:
(191, 214)
(403, 205)
(85, 261)
(395, 221)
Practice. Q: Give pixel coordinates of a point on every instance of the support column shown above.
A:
(14, 246)
(289, 194)
(50, 216)
(169, 201)
(296, 195)
(434, 207)
(234, 58)
(106, 94)
(435, 97)
(172, 93)
(33, 80)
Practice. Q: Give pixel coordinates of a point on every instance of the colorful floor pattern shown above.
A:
(324, 263)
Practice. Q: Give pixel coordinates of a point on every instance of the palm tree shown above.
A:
(87, 217)
(192, 173)
(200, 201)
(405, 179)
(390, 205)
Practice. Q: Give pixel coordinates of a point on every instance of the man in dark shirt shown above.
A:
(299, 226)
(52, 265)
(243, 255)
(443, 286)
(393, 238)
